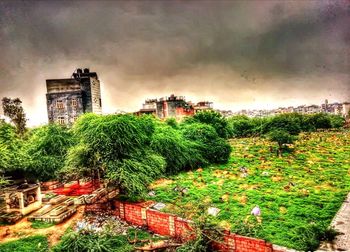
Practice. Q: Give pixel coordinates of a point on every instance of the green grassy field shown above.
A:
(296, 193)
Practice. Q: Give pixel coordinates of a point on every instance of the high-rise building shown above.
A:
(67, 99)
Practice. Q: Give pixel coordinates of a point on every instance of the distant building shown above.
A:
(67, 99)
(149, 107)
(346, 110)
(173, 106)
(201, 106)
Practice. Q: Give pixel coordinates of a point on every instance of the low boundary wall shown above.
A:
(171, 225)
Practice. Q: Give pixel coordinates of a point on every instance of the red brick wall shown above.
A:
(133, 214)
(171, 225)
(182, 229)
(158, 222)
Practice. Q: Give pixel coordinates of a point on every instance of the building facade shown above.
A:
(67, 99)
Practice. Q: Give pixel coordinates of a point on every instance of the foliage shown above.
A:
(117, 147)
(308, 186)
(241, 126)
(41, 224)
(216, 120)
(204, 231)
(47, 147)
(290, 123)
(310, 236)
(12, 156)
(36, 243)
(337, 121)
(293, 123)
(213, 148)
(134, 174)
(91, 242)
(14, 110)
(282, 138)
(172, 122)
(179, 153)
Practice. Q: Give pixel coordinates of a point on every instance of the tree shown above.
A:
(116, 147)
(282, 137)
(12, 157)
(285, 122)
(47, 147)
(14, 110)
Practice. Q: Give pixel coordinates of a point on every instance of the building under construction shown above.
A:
(68, 98)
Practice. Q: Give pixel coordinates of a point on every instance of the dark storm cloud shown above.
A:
(229, 51)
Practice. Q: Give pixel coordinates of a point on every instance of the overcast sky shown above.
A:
(238, 54)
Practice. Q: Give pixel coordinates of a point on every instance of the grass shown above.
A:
(41, 224)
(36, 243)
(296, 193)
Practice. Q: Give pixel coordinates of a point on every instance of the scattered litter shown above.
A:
(256, 211)
(265, 173)
(159, 206)
(213, 211)
(152, 193)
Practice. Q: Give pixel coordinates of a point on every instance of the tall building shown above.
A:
(67, 99)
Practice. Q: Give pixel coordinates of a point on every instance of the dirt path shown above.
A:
(23, 228)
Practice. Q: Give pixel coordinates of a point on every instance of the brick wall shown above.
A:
(170, 225)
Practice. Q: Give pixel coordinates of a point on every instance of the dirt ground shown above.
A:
(23, 229)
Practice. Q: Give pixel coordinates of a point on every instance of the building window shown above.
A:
(59, 105)
(74, 103)
(61, 120)
(100, 102)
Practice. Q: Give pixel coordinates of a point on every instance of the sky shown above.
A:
(237, 54)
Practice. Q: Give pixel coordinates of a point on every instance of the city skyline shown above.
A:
(239, 55)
